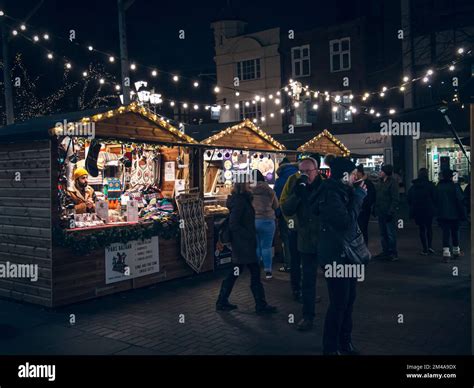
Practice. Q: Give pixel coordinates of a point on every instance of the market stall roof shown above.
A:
(125, 122)
(244, 135)
(325, 143)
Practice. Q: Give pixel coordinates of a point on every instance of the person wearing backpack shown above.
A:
(243, 237)
(451, 211)
(422, 204)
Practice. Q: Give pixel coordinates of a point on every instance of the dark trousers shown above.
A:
(295, 261)
(363, 221)
(426, 232)
(450, 230)
(338, 322)
(310, 271)
(388, 235)
(255, 284)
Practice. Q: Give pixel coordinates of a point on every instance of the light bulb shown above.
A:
(133, 66)
(405, 79)
(196, 84)
(451, 67)
(175, 78)
(351, 96)
(84, 74)
(255, 121)
(46, 36)
(90, 48)
(227, 107)
(237, 94)
(111, 59)
(185, 106)
(460, 50)
(172, 103)
(36, 38)
(101, 81)
(154, 73)
(117, 87)
(257, 98)
(391, 111)
(15, 32)
(23, 27)
(236, 106)
(334, 108)
(402, 88)
(429, 72)
(297, 104)
(384, 89)
(270, 97)
(50, 56)
(378, 115)
(196, 107)
(217, 89)
(315, 106)
(272, 115)
(366, 95)
(277, 101)
(425, 79)
(247, 103)
(68, 65)
(278, 93)
(262, 99)
(282, 111)
(2, 13)
(263, 118)
(382, 94)
(372, 111)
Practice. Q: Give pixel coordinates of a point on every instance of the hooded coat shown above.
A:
(450, 204)
(242, 228)
(265, 201)
(422, 199)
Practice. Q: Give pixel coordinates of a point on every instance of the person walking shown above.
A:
(422, 201)
(338, 204)
(244, 250)
(386, 206)
(285, 170)
(367, 205)
(265, 203)
(297, 208)
(451, 211)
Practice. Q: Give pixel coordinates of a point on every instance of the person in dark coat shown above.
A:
(338, 204)
(467, 198)
(285, 170)
(367, 205)
(422, 205)
(244, 250)
(451, 212)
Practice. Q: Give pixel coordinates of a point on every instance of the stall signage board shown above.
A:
(131, 260)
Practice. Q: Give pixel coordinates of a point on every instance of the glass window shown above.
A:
(247, 70)
(300, 61)
(340, 54)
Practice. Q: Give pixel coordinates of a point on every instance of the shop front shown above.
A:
(230, 154)
(102, 210)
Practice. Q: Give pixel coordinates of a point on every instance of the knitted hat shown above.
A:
(340, 166)
(387, 169)
(80, 172)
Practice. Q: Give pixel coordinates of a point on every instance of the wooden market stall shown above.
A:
(134, 242)
(325, 143)
(239, 148)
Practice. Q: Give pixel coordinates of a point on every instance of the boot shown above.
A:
(261, 305)
(446, 254)
(222, 303)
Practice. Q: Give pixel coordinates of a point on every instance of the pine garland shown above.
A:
(84, 243)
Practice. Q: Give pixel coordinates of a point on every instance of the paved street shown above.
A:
(434, 303)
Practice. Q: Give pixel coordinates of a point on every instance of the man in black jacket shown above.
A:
(368, 203)
(338, 204)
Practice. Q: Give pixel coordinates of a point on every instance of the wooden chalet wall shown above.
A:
(25, 218)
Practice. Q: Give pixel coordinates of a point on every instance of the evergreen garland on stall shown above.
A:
(84, 243)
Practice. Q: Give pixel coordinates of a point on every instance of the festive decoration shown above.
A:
(82, 242)
(310, 146)
(245, 124)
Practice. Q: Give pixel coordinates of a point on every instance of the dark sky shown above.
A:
(152, 34)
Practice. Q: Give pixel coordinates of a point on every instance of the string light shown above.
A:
(315, 106)
(237, 94)
(460, 50)
(196, 107)
(90, 48)
(392, 111)
(429, 72)
(382, 94)
(296, 104)
(335, 108)
(196, 84)
(23, 27)
(247, 103)
(175, 78)
(117, 87)
(68, 65)
(172, 103)
(101, 81)
(372, 111)
(154, 73)
(236, 106)
(36, 38)
(46, 37)
(402, 88)
(270, 97)
(111, 59)
(185, 105)
(425, 79)
(217, 89)
(15, 32)
(50, 56)
(452, 67)
(405, 79)
(84, 74)
(277, 101)
(272, 115)
(133, 66)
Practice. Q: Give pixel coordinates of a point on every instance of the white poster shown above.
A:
(170, 174)
(132, 211)
(131, 260)
(102, 210)
(179, 186)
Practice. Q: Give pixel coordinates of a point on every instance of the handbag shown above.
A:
(356, 250)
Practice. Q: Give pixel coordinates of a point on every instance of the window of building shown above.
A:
(340, 111)
(340, 54)
(301, 113)
(300, 61)
(249, 110)
(247, 70)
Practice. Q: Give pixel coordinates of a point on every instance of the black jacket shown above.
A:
(338, 207)
(369, 200)
(422, 199)
(297, 209)
(242, 228)
(450, 201)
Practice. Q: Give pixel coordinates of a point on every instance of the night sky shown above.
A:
(152, 34)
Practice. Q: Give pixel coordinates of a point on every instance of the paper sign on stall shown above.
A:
(170, 171)
(102, 210)
(132, 211)
(179, 186)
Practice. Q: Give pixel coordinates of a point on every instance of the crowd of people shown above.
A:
(323, 220)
